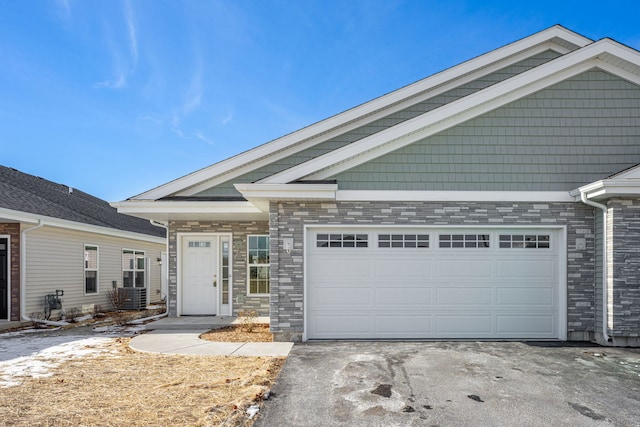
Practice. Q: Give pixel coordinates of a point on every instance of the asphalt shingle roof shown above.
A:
(31, 194)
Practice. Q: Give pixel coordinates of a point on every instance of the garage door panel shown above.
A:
(464, 296)
(527, 268)
(385, 267)
(403, 295)
(340, 267)
(464, 268)
(436, 292)
(340, 326)
(532, 326)
(333, 296)
(453, 325)
(410, 326)
(525, 296)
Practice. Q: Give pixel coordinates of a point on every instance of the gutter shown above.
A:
(605, 285)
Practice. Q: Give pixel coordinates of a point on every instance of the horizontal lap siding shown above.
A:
(227, 189)
(55, 261)
(560, 138)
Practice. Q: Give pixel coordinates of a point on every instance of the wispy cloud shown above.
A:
(133, 40)
(201, 137)
(64, 8)
(124, 65)
(228, 118)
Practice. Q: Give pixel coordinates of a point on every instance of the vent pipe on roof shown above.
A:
(70, 190)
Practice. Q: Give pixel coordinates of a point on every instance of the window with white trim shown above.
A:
(464, 241)
(258, 265)
(133, 268)
(403, 240)
(342, 240)
(524, 241)
(90, 269)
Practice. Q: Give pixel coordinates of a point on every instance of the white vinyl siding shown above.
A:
(53, 262)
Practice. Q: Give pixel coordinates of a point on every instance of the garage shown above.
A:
(434, 283)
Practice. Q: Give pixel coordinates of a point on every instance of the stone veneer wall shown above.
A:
(239, 231)
(623, 270)
(13, 231)
(287, 220)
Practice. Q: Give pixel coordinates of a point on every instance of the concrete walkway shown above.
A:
(181, 336)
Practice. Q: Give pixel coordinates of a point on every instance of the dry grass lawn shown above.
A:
(238, 333)
(138, 389)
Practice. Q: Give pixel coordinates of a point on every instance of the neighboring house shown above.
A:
(483, 202)
(54, 237)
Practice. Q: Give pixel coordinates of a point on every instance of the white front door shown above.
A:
(199, 274)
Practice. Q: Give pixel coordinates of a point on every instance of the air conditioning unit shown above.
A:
(134, 298)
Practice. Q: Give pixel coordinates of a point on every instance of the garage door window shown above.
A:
(464, 241)
(524, 241)
(403, 240)
(342, 240)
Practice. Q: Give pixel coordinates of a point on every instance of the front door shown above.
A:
(200, 270)
(4, 278)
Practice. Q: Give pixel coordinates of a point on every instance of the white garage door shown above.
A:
(433, 283)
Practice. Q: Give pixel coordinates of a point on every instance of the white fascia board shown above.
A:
(288, 191)
(358, 116)
(454, 196)
(456, 112)
(183, 207)
(608, 188)
(76, 226)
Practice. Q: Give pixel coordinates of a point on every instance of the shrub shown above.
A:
(248, 320)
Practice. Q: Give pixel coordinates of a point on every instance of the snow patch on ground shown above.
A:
(33, 353)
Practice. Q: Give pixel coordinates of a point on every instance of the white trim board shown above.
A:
(455, 196)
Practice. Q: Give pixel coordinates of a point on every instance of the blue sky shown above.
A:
(117, 97)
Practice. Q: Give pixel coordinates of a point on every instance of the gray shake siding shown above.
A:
(287, 219)
(240, 231)
(227, 189)
(624, 270)
(560, 138)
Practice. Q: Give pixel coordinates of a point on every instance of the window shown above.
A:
(342, 240)
(464, 241)
(403, 240)
(133, 268)
(524, 241)
(90, 269)
(258, 264)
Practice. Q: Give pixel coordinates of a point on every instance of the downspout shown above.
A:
(166, 244)
(605, 285)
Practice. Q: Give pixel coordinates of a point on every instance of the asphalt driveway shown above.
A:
(455, 384)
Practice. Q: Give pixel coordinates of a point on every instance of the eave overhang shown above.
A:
(609, 188)
(12, 216)
(261, 194)
(164, 211)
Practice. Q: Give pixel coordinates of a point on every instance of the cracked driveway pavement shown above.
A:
(455, 384)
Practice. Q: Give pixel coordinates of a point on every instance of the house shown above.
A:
(57, 239)
(498, 199)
